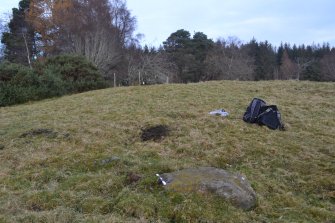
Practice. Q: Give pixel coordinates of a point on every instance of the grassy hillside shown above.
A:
(79, 167)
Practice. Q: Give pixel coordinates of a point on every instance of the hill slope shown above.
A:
(71, 159)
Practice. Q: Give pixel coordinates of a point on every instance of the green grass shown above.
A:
(61, 178)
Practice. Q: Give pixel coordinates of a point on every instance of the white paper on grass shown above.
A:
(219, 112)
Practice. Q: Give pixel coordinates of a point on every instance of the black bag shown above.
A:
(271, 118)
(262, 114)
(253, 110)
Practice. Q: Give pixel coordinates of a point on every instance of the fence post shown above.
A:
(114, 80)
(139, 78)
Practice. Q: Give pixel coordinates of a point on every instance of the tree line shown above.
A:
(102, 31)
(200, 59)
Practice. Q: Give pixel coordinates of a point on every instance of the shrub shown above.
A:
(11, 94)
(9, 70)
(25, 78)
(18, 84)
(55, 76)
(81, 74)
(51, 84)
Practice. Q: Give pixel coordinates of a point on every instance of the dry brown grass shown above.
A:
(60, 179)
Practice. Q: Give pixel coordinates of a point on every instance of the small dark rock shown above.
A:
(132, 178)
(2, 147)
(36, 207)
(155, 133)
(36, 132)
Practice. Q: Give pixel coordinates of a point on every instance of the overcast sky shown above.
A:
(293, 21)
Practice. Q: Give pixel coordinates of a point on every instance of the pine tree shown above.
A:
(177, 48)
(19, 41)
(280, 53)
(188, 54)
(265, 59)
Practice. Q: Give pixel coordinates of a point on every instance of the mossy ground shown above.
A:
(61, 178)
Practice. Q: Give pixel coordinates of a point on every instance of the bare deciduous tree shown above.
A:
(228, 60)
(288, 69)
(123, 21)
(152, 68)
(97, 29)
(97, 39)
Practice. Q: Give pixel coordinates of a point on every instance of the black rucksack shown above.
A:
(253, 110)
(262, 114)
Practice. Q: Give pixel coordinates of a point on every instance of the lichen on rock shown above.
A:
(233, 187)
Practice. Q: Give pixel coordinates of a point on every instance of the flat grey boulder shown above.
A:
(233, 187)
